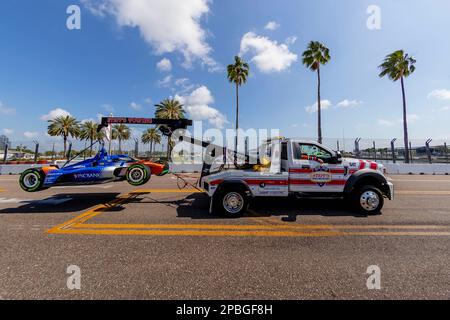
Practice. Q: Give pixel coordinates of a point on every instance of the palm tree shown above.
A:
(397, 66)
(169, 109)
(238, 74)
(88, 131)
(64, 126)
(152, 137)
(121, 132)
(315, 55)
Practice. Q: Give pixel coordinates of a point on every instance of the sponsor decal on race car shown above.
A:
(83, 176)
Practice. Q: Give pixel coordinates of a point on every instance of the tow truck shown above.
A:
(280, 167)
(293, 167)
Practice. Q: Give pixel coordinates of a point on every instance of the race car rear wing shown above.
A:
(166, 126)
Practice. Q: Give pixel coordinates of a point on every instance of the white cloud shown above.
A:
(5, 110)
(164, 65)
(324, 105)
(55, 113)
(445, 108)
(135, 106)
(269, 56)
(148, 101)
(30, 135)
(348, 103)
(197, 105)
(412, 118)
(291, 40)
(184, 85)
(272, 25)
(8, 131)
(167, 25)
(166, 82)
(440, 94)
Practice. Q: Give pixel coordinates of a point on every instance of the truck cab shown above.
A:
(301, 168)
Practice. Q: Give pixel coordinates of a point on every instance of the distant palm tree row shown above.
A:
(397, 66)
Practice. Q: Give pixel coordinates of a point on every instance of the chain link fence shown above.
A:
(381, 150)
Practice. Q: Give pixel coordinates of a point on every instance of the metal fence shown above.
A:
(393, 150)
(382, 150)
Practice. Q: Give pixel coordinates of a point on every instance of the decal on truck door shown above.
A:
(321, 175)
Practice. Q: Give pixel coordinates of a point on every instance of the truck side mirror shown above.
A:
(338, 157)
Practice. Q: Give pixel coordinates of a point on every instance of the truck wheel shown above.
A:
(232, 202)
(368, 200)
(32, 180)
(138, 174)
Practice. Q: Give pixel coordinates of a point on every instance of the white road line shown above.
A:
(52, 202)
(13, 200)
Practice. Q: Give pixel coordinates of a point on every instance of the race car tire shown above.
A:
(32, 180)
(367, 200)
(232, 202)
(138, 175)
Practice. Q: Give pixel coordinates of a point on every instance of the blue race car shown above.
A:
(99, 169)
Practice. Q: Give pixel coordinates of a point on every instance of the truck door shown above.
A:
(314, 169)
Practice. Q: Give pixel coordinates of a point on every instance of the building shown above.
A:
(4, 140)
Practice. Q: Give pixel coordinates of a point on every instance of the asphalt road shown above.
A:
(158, 243)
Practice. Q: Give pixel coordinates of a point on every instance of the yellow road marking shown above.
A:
(92, 213)
(103, 207)
(241, 233)
(2, 190)
(269, 227)
(251, 227)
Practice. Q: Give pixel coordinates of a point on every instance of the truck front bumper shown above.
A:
(391, 190)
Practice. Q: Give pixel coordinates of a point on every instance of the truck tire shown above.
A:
(32, 180)
(231, 202)
(367, 200)
(138, 175)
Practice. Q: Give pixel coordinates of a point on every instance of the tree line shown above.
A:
(396, 66)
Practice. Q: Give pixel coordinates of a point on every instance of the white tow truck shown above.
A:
(279, 168)
(290, 167)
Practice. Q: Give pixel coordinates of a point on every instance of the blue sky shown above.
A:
(111, 64)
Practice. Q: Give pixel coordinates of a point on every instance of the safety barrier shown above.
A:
(425, 169)
(392, 168)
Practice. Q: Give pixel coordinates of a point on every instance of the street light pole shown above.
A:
(36, 150)
(5, 156)
(427, 144)
(393, 149)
